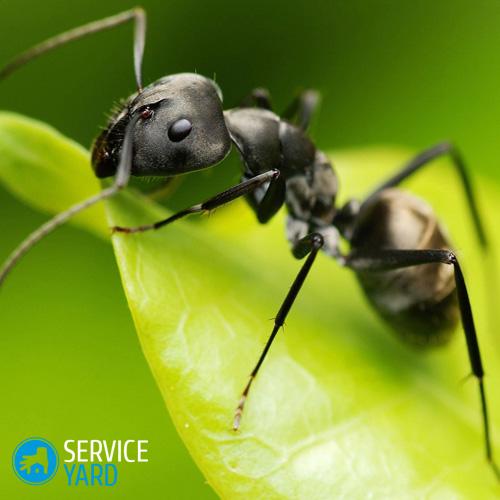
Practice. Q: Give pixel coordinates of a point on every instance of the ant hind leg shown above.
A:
(386, 260)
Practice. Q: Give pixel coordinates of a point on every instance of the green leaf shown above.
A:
(47, 170)
(341, 408)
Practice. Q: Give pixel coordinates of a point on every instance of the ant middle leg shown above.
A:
(301, 110)
(308, 246)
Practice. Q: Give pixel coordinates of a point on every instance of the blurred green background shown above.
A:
(390, 72)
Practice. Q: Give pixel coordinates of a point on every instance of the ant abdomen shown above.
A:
(419, 302)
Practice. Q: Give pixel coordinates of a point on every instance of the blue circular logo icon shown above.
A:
(35, 461)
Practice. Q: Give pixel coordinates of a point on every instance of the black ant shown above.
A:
(397, 248)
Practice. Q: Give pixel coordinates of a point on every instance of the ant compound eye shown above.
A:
(146, 113)
(179, 130)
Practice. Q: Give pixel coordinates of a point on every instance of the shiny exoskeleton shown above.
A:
(398, 250)
(420, 302)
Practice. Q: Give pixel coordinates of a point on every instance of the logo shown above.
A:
(35, 461)
(86, 462)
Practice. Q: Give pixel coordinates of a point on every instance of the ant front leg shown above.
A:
(308, 246)
(259, 97)
(218, 200)
(386, 260)
(266, 199)
(166, 188)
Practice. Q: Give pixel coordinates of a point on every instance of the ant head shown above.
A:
(180, 129)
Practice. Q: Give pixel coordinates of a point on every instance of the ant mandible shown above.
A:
(398, 250)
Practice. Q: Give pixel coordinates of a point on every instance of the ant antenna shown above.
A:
(137, 15)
